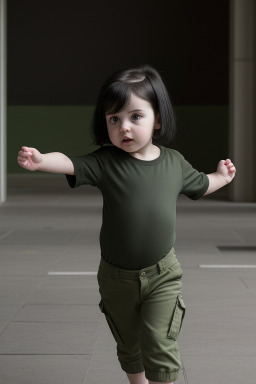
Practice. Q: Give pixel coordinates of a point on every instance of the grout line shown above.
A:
(219, 355)
(45, 354)
(184, 373)
(244, 283)
(72, 273)
(227, 266)
(58, 304)
(6, 234)
(51, 322)
(93, 350)
(24, 303)
(238, 236)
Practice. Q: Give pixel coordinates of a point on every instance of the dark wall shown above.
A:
(60, 52)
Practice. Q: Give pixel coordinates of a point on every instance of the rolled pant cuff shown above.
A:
(162, 377)
(134, 367)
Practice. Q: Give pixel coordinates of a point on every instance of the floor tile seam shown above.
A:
(69, 248)
(228, 355)
(51, 322)
(6, 234)
(74, 237)
(184, 372)
(8, 322)
(46, 303)
(245, 286)
(234, 231)
(60, 305)
(25, 275)
(23, 304)
(46, 354)
(93, 349)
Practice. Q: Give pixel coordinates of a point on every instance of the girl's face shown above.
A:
(132, 128)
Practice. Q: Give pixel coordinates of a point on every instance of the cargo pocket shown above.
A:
(177, 319)
(111, 324)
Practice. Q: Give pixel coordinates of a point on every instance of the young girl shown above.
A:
(140, 179)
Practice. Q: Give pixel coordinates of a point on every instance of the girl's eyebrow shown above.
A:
(136, 110)
(132, 111)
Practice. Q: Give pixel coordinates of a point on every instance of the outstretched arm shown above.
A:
(223, 176)
(54, 162)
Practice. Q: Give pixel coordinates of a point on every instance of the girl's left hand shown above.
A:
(227, 170)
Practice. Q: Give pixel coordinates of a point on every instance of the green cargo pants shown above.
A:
(144, 310)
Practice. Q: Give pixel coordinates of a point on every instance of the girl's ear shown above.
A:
(158, 121)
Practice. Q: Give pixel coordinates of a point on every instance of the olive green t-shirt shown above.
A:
(139, 201)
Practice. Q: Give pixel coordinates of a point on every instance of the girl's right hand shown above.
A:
(29, 158)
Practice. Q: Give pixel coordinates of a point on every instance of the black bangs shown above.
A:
(116, 98)
(118, 95)
(144, 90)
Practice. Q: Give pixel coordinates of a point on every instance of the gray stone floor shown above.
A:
(51, 330)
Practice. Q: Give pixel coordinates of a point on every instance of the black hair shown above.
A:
(146, 83)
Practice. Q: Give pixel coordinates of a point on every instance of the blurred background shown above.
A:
(59, 54)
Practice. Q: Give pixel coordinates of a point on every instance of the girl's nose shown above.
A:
(125, 127)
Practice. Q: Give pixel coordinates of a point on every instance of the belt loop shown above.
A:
(160, 267)
(116, 273)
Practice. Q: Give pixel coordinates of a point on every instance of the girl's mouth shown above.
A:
(127, 141)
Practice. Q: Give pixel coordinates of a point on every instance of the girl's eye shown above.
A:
(114, 119)
(136, 117)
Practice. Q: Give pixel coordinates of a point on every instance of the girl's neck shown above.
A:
(149, 155)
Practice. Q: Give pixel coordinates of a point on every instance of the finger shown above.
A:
(228, 161)
(27, 149)
(22, 163)
(25, 154)
(21, 158)
(232, 169)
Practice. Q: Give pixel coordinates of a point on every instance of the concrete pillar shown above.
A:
(3, 100)
(242, 99)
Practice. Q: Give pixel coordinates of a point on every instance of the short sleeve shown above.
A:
(88, 169)
(194, 183)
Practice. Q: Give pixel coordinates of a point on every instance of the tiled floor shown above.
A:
(51, 330)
